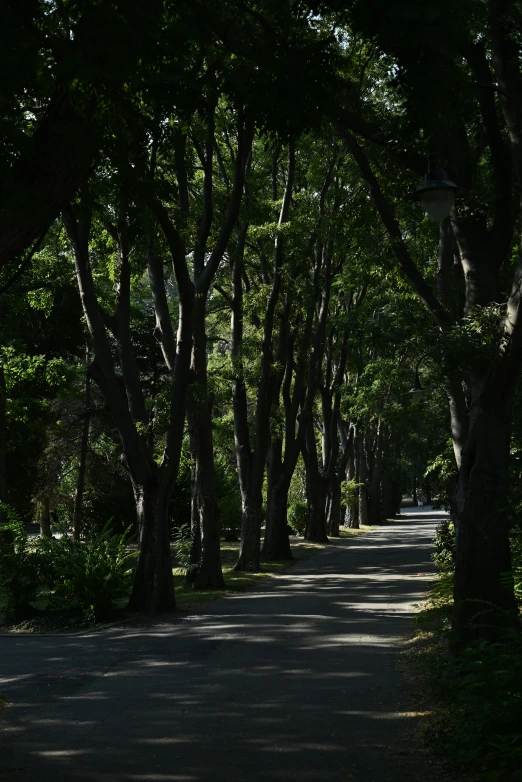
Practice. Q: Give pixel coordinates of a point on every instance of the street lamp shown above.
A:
(417, 390)
(437, 192)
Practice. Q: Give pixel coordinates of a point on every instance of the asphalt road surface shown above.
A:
(297, 681)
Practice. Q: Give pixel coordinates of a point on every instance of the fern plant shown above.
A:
(20, 577)
(90, 575)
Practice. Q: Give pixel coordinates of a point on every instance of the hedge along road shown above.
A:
(297, 681)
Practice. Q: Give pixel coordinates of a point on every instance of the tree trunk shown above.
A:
(427, 492)
(315, 490)
(250, 547)
(484, 601)
(276, 545)
(333, 504)
(205, 514)
(351, 517)
(388, 498)
(3, 447)
(153, 588)
(363, 506)
(207, 573)
(44, 518)
(414, 495)
(84, 444)
(316, 518)
(250, 460)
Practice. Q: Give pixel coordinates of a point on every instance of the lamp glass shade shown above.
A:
(437, 202)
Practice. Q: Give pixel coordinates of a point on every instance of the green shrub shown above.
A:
(445, 546)
(182, 547)
(88, 575)
(516, 560)
(297, 515)
(230, 513)
(350, 493)
(19, 566)
(480, 726)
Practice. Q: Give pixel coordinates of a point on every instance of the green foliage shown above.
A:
(350, 493)
(297, 515)
(230, 511)
(478, 723)
(19, 566)
(445, 546)
(182, 547)
(516, 562)
(89, 575)
(480, 727)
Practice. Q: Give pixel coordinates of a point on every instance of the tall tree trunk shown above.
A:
(315, 490)
(250, 460)
(207, 573)
(374, 487)
(276, 544)
(84, 445)
(45, 518)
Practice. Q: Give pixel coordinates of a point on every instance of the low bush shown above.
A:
(445, 546)
(296, 515)
(479, 726)
(91, 575)
(478, 722)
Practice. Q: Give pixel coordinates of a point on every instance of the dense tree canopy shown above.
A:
(217, 287)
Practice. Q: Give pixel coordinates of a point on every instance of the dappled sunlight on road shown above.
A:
(303, 667)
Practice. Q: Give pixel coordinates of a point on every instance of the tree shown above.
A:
(483, 233)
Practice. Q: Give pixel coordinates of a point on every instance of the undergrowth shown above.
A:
(477, 726)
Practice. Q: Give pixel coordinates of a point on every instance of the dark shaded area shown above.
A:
(296, 681)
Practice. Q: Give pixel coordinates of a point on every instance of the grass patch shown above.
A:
(241, 582)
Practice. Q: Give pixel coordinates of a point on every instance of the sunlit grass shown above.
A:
(240, 582)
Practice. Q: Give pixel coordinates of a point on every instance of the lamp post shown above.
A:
(437, 192)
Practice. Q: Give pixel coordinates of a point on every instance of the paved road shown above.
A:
(295, 682)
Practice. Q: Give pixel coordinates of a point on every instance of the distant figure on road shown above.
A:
(420, 502)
